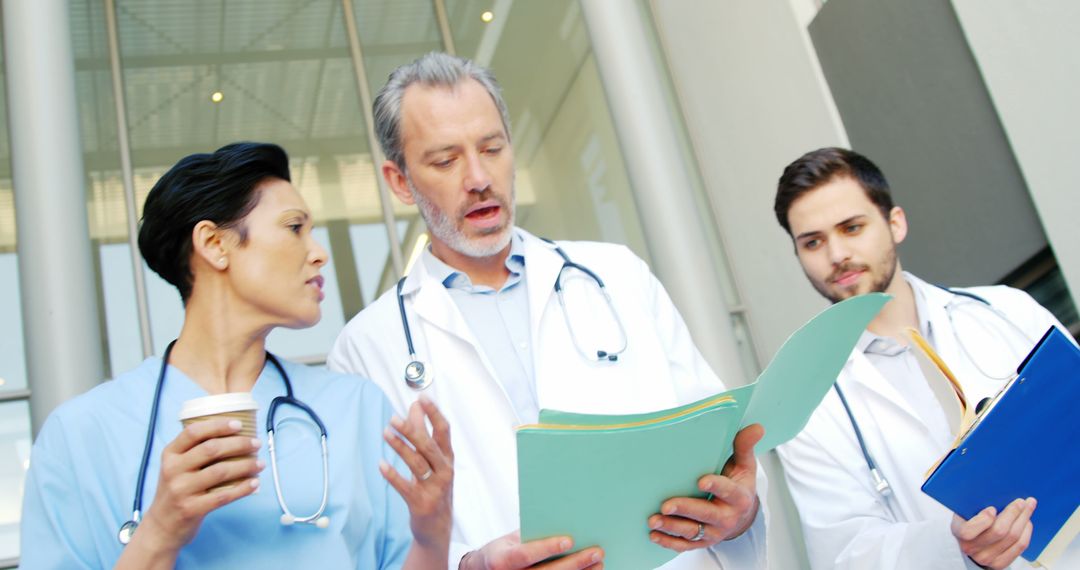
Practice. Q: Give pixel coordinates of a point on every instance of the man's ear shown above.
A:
(397, 181)
(898, 224)
(208, 244)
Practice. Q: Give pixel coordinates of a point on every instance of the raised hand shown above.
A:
(429, 492)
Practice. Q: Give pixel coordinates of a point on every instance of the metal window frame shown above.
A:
(15, 395)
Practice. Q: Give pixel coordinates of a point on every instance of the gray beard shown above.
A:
(443, 228)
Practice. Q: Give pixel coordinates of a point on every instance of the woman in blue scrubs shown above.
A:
(235, 237)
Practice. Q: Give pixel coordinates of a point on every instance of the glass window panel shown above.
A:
(393, 33)
(571, 179)
(14, 416)
(576, 186)
(166, 310)
(12, 357)
(14, 461)
(259, 25)
(121, 311)
(7, 212)
(155, 27)
(338, 116)
(169, 107)
(469, 30)
(12, 363)
(7, 206)
(1041, 277)
(360, 192)
(1051, 292)
(5, 148)
(371, 250)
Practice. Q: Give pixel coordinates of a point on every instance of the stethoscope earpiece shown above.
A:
(288, 519)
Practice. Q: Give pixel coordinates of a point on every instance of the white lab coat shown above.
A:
(846, 523)
(661, 368)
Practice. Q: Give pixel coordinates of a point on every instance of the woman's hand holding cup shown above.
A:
(213, 462)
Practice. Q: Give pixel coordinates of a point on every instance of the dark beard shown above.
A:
(888, 272)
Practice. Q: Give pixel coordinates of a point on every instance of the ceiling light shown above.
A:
(217, 97)
(487, 16)
(2, 381)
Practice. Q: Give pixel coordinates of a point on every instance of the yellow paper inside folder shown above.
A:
(946, 388)
(648, 420)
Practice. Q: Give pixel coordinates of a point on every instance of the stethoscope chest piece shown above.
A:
(417, 375)
(127, 530)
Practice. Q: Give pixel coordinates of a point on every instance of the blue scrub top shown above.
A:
(85, 461)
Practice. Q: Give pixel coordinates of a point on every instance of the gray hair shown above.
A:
(435, 69)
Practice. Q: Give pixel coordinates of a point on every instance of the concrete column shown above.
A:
(674, 225)
(59, 301)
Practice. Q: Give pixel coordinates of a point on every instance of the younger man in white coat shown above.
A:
(487, 324)
(837, 208)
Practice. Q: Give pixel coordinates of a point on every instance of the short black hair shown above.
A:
(821, 166)
(218, 187)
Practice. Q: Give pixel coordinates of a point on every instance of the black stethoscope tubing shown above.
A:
(417, 374)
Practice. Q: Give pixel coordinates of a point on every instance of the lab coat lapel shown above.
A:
(542, 266)
(434, 307)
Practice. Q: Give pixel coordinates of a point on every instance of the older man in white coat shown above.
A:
(837, 207)
(497, 345)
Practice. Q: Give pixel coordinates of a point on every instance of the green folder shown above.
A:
(598, 478)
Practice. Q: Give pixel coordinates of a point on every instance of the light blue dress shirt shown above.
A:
(500, 322)
(84, 464)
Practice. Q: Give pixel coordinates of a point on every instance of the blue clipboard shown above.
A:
(1026, 445)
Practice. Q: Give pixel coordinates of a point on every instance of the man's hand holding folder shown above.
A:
(689, 523)
(601, 478)
(1031, 422)
(995, 540)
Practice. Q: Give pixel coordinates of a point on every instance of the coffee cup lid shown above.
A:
(218, 404)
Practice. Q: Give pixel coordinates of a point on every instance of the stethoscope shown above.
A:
(127, 530)
(881, 484)
(419, 376)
